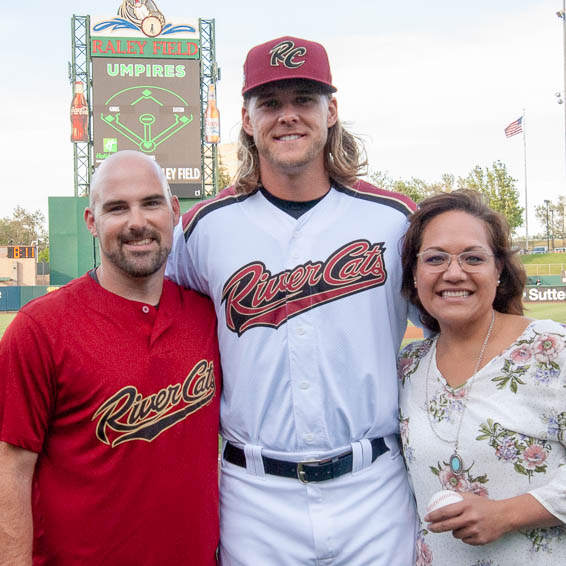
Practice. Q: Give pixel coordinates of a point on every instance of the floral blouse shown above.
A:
(512, 441)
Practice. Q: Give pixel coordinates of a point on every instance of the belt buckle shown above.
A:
(301, 471)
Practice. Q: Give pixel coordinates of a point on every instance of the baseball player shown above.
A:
(302, 262)
(109, 399)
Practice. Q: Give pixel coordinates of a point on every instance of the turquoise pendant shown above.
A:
(456, 464)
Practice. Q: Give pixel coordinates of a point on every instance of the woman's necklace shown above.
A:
(456, 463)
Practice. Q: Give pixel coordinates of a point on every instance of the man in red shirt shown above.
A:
(109, 399)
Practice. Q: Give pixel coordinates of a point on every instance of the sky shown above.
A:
(429, 86)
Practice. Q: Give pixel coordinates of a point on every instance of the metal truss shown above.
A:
(209, 74)
(79, 69)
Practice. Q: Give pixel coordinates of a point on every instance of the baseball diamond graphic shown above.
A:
(135, 106)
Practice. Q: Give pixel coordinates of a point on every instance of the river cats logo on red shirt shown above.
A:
(128, 415)
(253, 296)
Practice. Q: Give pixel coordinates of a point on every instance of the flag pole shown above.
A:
(526, 198)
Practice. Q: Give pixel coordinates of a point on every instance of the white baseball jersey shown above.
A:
(310, 320)
(310, 316)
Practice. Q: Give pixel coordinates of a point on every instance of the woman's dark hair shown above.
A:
(508, 297)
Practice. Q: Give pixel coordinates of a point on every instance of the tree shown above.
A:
(498, 187)
(223, 176)
(43, 255)
(382, 180)
(556, 218)
(23, 228)
(416, 189)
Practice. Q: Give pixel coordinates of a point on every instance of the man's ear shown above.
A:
(176, 209)
(332, 112)
(89, 221)
(246, 122)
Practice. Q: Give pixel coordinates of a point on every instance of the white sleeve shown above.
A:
(181, 265)
(552, 496)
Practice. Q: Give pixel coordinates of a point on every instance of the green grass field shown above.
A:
(555, 311)
(5, 319)
(544, 264)
(544, 259)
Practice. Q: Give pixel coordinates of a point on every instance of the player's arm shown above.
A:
(16, 525)
(181, 266)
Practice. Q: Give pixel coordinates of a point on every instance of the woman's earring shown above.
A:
(415, 282)
(498, 282)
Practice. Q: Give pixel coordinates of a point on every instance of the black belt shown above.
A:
(314, 470)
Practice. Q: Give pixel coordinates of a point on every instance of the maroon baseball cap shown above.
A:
(286, 58)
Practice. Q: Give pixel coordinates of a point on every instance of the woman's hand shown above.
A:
(479, 520)
(476, 520)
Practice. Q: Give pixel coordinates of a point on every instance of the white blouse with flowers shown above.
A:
(512, 441)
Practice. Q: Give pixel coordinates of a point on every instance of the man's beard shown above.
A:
(144, 265)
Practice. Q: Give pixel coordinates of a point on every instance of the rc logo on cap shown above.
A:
(285, 53)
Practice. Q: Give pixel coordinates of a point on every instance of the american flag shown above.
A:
(514, 128)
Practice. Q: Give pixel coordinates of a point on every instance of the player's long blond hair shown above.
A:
(344, 158)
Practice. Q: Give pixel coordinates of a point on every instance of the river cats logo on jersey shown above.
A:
(253, 296)
(128, 415)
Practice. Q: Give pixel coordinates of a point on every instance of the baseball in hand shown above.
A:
(442, 498)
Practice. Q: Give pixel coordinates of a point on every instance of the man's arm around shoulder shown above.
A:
(16, 524)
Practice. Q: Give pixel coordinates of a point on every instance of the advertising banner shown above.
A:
(146, 91)
(544, 294)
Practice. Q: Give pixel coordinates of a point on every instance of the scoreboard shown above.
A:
(21, 252)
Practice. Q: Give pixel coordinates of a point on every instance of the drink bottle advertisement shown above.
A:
(211, 118)
(146, 92)
(79, 114)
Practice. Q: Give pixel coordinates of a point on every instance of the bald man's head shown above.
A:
(121, 162)
(133, 214)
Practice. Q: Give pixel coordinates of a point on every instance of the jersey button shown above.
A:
(300, 331)
(304, 385)
(309, 437)
(145, 309)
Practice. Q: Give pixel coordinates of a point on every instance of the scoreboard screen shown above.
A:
(21, 252)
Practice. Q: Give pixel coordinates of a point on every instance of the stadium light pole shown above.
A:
(562, 16)
(547, 202)
(552, 226)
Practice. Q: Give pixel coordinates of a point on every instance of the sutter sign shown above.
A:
(544, 294)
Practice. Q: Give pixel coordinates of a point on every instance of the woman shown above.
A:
(483, 400)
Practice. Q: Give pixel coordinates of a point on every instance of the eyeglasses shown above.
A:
(471, 262)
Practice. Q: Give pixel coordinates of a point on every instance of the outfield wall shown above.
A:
(13, 298)
(550, 280)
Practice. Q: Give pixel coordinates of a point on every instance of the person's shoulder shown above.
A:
(45, 311)
(548, 326)
(225, 198)
(417, 348)
(410, 357)
(188, 298)
(56, 297)
(366, 191)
